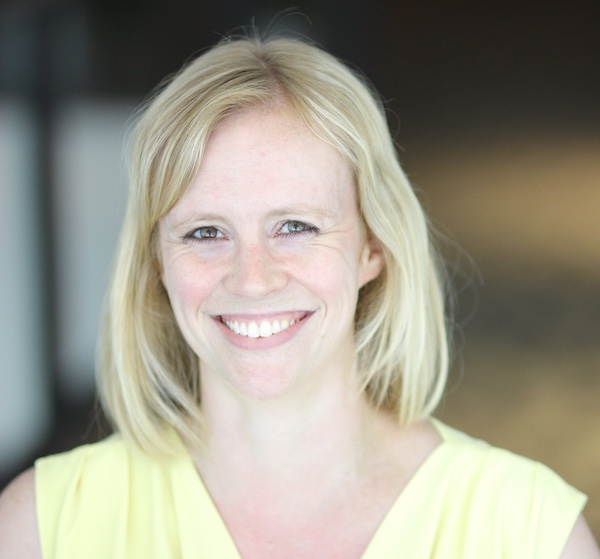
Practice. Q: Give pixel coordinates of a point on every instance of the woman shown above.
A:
(274, 346)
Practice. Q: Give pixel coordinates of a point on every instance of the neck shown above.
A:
(324, 433)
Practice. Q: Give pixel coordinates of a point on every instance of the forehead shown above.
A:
(271, 152)
(266, 136)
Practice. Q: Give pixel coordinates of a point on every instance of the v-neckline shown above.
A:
(387, 531)
(217, 539)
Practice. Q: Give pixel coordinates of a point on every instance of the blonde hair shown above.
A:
(148, 375)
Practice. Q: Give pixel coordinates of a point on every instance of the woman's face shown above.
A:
(264, 255)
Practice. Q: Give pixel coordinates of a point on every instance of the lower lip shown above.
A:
(275, 340)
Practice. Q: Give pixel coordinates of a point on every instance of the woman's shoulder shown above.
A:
(97, 500)
(27, 495)
(104, 457)
(497, 469)
(111, 460)
(523, 499)
(18, 522)
(99, 473)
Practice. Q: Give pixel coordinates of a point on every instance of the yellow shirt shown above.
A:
(467, 501)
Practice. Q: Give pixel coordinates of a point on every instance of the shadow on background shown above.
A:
(495, 109)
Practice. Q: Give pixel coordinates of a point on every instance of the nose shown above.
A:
(256, 271)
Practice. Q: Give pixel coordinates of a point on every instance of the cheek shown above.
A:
(335, 278)
(187, 286)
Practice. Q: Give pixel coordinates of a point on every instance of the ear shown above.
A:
(371, 261)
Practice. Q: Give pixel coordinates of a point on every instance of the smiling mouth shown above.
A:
(260, 328)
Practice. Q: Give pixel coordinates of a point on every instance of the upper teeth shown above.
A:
(256, 330)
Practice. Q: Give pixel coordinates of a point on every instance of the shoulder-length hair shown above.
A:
(148, 375)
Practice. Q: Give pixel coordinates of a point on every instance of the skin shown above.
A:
(269, 229)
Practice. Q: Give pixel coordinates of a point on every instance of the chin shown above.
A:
(262, 382)
(265, 386)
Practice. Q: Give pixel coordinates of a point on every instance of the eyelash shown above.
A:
(308, 230)
(191, 236)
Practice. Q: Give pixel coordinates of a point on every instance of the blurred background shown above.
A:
(495, 108)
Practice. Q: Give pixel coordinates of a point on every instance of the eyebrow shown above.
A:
(193, 218)
(296, 210)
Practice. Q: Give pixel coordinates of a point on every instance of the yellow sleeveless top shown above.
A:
(467, 501)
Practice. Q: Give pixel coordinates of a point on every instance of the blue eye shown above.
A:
(207, 233)
(294, 227)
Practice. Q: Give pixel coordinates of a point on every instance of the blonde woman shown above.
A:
(274, 345)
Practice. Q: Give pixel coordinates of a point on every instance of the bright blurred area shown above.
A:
(495, 111)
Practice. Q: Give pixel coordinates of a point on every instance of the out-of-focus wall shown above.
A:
(25, 407)
(91, 192)
(89, 197)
